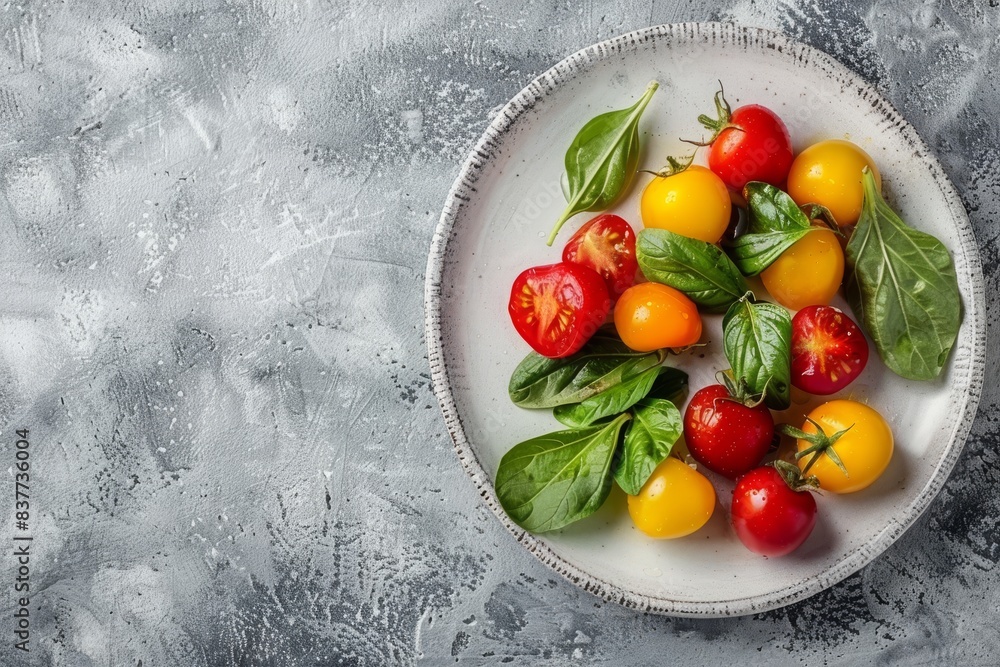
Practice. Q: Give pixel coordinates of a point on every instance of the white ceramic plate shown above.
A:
(494, 225)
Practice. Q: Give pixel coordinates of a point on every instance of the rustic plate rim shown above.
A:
(464, 185)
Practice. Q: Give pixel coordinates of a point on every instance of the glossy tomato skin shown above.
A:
(557, 308)
(829, 173)
(808, 273)
(692, 203)
(724, 435)
(828, 350)
(865, 450)
(675, 501)
(606, 244)
(756, 148)
(769, 517)
(651, 316)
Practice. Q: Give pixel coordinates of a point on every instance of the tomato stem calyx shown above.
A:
(822, 213)
(819, 443)
(674, 166)
(722, 121)
(796, 479)
(739, 390)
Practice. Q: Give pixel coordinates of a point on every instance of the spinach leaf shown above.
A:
(757, 338)
(605, 361)
(602, 160)
(699, 269)
(655, 427)
(609, 402)
(553, 480)
(670, 385)
(902, 287)
(776, 223)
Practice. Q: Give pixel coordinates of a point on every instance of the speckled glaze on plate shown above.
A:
(494, 225)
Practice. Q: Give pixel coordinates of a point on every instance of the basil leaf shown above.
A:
(609, 402)
(776, 223)
(670, 385)
(605, 361)
(757, 338)
(699, 269)
(902, 287)
(652, 433)
(602, 160)
(553, 480)
(772, 210)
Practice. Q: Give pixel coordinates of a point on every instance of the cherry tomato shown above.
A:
(558, 307)
(753, 146)
(829, 173)
(651, 316)
(808, 273)
(865, 449)
(606, 244)
(769, 517)
(693, 203)
(725, 435)
(676, 501)
(828, 350)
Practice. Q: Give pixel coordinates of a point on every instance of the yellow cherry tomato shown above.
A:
(675, 501)
(829, 173)
(694, 203)
(809, 273)
(865, 449)
(651, 316)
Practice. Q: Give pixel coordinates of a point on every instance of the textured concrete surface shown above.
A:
(214, 222)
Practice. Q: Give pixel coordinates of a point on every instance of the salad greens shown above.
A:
(654, 429)
(757, 337)
(698, 268)
(776, 223)
(903, 289)
(553, 480)
(602, 160)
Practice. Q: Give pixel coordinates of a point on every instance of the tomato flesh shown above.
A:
(606, 244)
(558, 307)
(756, 147)
(828, 350)
(724, 435)
(768, 516)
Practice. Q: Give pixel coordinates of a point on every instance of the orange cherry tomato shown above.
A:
(651, 316)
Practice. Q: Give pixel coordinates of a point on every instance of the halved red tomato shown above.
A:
(558, 307)
(606, 244)
(828, 350)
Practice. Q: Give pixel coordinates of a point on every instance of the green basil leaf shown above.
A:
(757, 338)
(753, 253)
(699, 269)
(605, 361)
(553, 480)
(902, 287)
(654, 429)
(772, 210)
(670, 385)
(776, 223)
(609, 402)
(602, 160)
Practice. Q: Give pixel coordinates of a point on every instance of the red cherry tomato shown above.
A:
(753, 146)
(828, 350)
(769, 517)
(725, 435)
(606, 244)
(558, 307)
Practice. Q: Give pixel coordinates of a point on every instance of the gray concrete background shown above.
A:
(215, 221)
